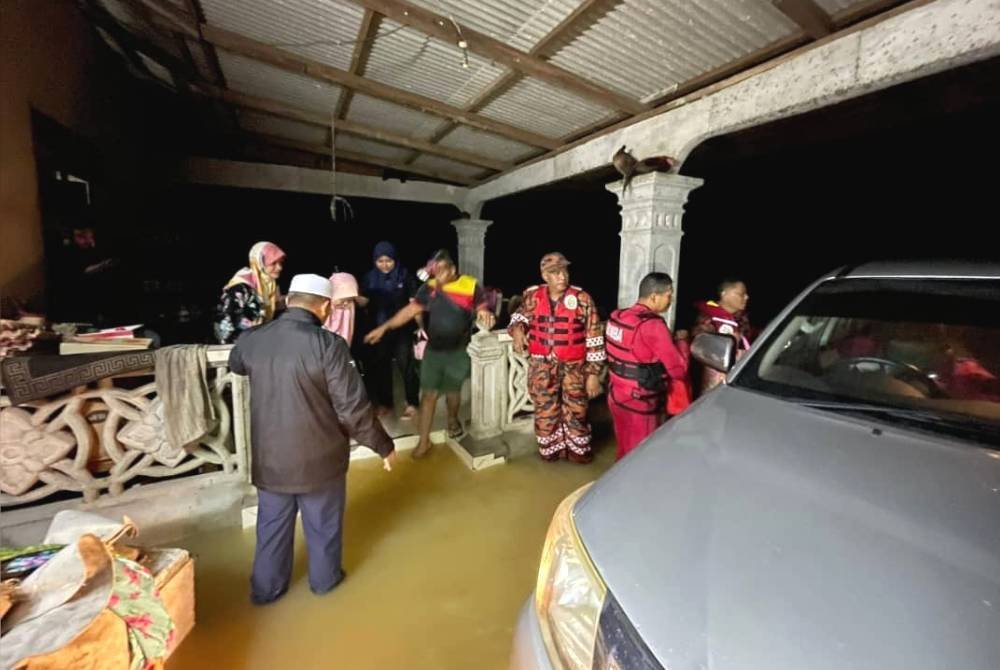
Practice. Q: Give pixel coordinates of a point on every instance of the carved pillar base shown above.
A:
(489, 385)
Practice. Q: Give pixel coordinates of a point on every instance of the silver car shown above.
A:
(836, 504)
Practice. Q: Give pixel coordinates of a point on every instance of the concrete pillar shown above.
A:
(651, 230)
(489, 384)
(471, 246)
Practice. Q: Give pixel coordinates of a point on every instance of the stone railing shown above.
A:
(96, 443)
(499, 384)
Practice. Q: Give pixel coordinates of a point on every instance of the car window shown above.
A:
(930, 348)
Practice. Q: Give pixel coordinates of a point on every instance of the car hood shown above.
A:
(754, 533)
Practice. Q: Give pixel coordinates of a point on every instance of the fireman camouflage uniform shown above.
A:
(558, 387)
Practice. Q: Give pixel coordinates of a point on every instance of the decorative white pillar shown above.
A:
(471, 246)
(651, 230)
(489, 384)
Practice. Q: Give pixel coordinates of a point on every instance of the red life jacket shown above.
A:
(562, 333)
(636, 385)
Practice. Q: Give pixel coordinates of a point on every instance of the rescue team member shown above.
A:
(306, 401)
(727, 316)
(452, 303)
(645, 364)
(559, 326)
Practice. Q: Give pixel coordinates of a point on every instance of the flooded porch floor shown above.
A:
(439, 560)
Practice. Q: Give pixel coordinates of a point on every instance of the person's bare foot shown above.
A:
(410, 412)
(422, 450)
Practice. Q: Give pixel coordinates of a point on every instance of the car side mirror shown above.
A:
(715, 351)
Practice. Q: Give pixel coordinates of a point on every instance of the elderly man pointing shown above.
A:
(307, 401)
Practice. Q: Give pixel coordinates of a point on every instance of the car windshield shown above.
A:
(918, 351)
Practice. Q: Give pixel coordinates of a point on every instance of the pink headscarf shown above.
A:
(341, 319)
(262, 254)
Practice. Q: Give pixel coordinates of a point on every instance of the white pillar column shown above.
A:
(471, 246)
(489, 384)
(651, 230)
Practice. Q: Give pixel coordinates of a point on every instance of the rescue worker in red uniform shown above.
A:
(727, 316)
(645, 363)
(559, 327)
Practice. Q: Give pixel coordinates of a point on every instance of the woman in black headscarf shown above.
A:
(389, 287)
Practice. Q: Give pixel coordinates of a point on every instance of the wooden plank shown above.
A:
(250, 48)
(324, 150)
(442, 28)
(198, 12)
(579, 20)
(812, 18)
(359, 59)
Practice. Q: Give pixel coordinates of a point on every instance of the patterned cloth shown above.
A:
(32, 377)
(239, 309)
(136, 600)
(559, 393)
(251, 296)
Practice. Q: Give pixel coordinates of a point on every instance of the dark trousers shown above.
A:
(396, 346)
(322, 521)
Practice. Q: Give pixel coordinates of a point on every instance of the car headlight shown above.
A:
(570, 594)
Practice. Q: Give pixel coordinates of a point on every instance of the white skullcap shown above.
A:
(312, 284)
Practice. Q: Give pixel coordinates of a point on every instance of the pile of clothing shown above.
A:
(90, 601)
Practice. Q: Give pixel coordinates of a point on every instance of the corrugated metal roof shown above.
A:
(264, 81)
(293, 130)
(292, 25)
(415, 62)
(519, 23)
(645, 47)
(369, 148)
(543, 109)
(486, 144)
(392, 117)
(447, 166)
(639, 48)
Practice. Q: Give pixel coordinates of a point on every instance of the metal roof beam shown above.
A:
(359, 59)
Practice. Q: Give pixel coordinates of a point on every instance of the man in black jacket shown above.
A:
(307, 401)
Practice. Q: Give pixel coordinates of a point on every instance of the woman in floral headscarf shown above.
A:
(251, 296)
